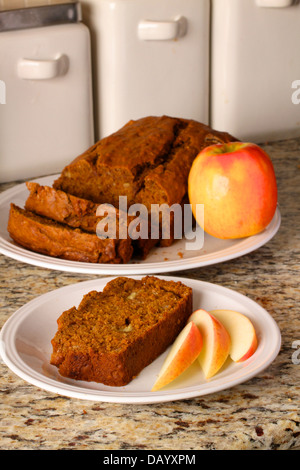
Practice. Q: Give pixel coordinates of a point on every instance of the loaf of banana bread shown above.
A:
(112, 335)
(147, 160)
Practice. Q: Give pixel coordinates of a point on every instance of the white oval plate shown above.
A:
(25, 347)
(159, 260)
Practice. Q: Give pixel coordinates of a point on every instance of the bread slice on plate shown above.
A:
(112, 335)
(52, 238)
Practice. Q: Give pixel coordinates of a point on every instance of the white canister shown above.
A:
(46, 107)
(150, 57)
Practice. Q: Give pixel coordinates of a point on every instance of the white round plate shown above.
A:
(159, 260)
(25, 347)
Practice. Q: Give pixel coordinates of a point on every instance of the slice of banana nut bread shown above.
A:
(112, 335)
(51, 238)
(68, 209)
(81, 213)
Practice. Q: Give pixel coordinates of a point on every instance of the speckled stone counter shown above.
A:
(262, 413)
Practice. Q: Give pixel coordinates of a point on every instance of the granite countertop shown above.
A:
(262, 413)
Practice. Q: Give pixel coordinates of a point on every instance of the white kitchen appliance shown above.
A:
(229, 63)
(151, 57)
(46, 109)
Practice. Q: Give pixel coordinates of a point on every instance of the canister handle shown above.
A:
(36, 69)
(150, 30)
(274, 3)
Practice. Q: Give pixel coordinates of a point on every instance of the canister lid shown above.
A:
(38, 16)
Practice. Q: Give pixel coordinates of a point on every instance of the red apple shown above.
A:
(241, 331)
(216, 342)
(236, 183)
(183, 353)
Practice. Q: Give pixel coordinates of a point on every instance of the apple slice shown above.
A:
(183, 353)
(242, 333)
(216, 342)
